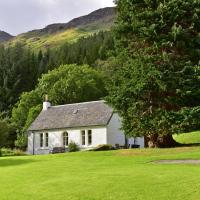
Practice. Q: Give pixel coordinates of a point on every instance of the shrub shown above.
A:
(73, 147)
(6, 152)
(104, 147)
(11, 152)
(21, 141)
(18, 152)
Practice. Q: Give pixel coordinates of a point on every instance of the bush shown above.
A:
(18, 152)
(104, 147)
(73, 147)
(6, 152)
(21, 141)
(11, 152)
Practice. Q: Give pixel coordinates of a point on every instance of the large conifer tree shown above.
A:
(156, 88)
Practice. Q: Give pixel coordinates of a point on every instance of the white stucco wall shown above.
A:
(99, 136)
(30, 143)
(137, 141)
(116, 135)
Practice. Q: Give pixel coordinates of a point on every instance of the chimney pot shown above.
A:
(46, 104)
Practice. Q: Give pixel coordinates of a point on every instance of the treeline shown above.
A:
(20, 68)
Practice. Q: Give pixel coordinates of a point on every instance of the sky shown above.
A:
(18, 16)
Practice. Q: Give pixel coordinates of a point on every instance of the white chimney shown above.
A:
(46, 104)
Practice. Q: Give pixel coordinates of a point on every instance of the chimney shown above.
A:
(46, 104)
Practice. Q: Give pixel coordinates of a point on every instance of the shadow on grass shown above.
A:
(188, 145)
(14, 162)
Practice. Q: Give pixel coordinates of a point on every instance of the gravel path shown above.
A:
(178, 161)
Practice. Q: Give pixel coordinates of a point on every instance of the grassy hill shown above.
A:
(54, 35)
(123, 174)
(188, 138)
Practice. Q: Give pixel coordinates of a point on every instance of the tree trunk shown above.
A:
(160, 141)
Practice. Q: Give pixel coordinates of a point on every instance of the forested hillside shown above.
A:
(21, 67)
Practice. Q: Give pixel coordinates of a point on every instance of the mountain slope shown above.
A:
(5, 36)
(56, 34)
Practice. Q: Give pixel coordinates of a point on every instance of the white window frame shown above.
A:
(65, 143)
(45, 140)
(83, 131)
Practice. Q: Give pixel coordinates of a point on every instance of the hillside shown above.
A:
(55, 34)
(5, 36)
(188, 138)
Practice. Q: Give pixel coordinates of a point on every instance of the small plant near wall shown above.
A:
(73, 147)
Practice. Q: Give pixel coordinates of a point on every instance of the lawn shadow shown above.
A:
(14, 162)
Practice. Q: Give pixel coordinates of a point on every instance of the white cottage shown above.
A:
(88, 124)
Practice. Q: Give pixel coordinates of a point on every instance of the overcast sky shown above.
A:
(17, 16)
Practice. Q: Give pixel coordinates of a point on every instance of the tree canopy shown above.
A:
(156, 88)
(66, 84)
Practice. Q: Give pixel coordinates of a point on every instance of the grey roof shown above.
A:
(95, 113)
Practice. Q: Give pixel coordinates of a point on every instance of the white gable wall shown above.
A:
(115, 135)
(99, 136)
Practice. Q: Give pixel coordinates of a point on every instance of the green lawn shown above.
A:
(188, 138)
(113, 175)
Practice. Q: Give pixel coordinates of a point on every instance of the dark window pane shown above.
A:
(46, 139)
(83, 137)
(89, 137)
(41, 140)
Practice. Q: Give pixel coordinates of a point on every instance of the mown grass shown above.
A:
(188, 138)
(123, 174)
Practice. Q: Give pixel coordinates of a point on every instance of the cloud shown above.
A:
(17, 16)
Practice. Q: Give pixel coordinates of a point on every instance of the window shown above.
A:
(65, 139)
(83, 137)
(41, 140)
(46, 139)
(89, 137)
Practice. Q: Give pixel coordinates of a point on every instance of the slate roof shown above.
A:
(96, 113)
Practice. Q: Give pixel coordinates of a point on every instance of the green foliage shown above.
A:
(21, 141)
(73, 147)
(4, 132)
(71, 84)
(86, 50)
(21, 67)
(156, 88)
(20, 112)
(12, 152)
(18, 68)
